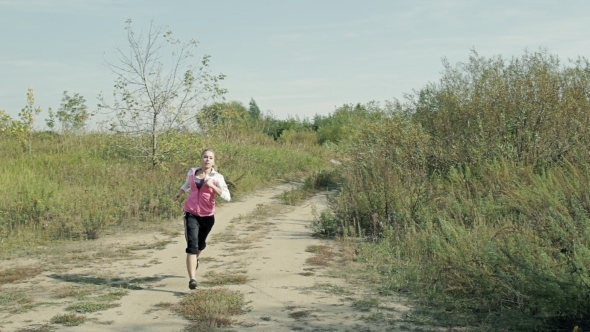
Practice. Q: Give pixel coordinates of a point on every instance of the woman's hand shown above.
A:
(211, 183)
(177, 196)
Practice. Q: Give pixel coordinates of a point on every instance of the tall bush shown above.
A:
(530, 109)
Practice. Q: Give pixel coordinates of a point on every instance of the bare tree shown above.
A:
(159, 89)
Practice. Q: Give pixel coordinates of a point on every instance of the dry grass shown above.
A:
(211, 307)
(165, 305)
(229, 278)
(324, 255)
(42, 328)
(244, 246)
(114, 253)
(299, 314)
(19, 273)
(158, 245)
(229, 235)
(259, 225)
(208, 259)
(167, 231)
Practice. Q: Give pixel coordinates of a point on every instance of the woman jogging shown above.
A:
(203, 184)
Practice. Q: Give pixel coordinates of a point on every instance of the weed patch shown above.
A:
(211, 307)
(89, 307)
(68, 319)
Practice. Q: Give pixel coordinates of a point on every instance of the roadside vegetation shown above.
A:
(471, 196)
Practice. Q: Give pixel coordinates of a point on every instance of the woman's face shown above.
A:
(207, 159)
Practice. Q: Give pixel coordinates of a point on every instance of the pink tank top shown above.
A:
(200, 202)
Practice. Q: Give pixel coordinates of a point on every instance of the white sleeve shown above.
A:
(225, 195)
(186, 186)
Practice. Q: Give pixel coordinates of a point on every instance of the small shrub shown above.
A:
(326, 225)
(324, 180)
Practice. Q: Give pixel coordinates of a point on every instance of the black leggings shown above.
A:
(196, 230)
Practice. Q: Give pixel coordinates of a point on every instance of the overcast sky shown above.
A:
(295, 58)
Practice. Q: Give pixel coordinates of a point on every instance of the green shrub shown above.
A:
(477, 199)
(325, 225)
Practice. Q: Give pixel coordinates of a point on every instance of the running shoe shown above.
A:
(192, 284)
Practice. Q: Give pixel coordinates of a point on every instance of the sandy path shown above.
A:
(284, 292)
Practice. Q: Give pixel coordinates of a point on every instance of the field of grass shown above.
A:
(80, 187)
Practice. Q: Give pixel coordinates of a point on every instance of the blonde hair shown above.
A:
(207, 150)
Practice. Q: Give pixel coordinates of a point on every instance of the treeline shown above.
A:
(234, 117)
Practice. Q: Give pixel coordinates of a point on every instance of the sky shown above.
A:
(294, 58)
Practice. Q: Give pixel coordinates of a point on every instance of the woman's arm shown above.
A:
(184, 187)
(220, 187)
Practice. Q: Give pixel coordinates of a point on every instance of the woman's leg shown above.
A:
(191, 264)
(191, 231)
(205, 226)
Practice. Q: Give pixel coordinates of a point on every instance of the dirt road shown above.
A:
(284, 289)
